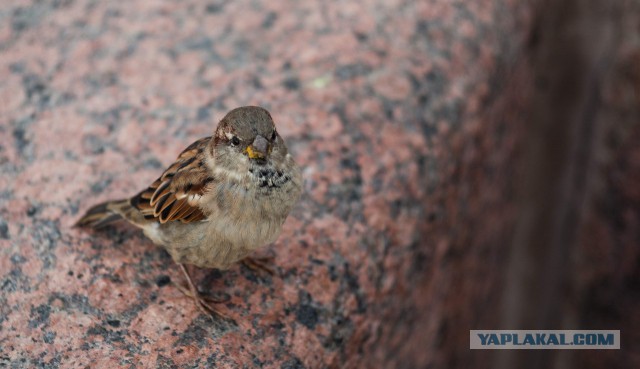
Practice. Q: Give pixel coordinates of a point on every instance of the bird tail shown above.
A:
(103, 214)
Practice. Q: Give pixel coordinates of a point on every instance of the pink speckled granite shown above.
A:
(397, 111)
(99, 96)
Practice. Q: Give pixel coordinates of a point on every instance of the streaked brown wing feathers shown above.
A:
(175, 195)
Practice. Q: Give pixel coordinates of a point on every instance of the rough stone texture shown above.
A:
(608, 267)
(409, 119)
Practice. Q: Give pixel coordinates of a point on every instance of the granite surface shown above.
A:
(399, 113)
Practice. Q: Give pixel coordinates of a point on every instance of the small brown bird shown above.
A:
(225, 196)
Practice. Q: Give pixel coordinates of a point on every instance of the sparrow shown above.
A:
(224, 196)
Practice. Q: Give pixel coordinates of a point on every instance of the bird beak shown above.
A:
(259, 149)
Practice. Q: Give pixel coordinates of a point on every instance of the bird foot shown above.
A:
(202, 296)
(193, 293)
(259, 264)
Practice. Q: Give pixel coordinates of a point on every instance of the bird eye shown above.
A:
(273, 135)
(235, 141)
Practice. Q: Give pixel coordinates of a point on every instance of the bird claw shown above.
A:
(258, 264)
(205, 297)
(193, 293)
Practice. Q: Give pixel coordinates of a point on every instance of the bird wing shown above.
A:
(177, 194)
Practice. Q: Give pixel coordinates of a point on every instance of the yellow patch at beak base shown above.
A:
(253, 154)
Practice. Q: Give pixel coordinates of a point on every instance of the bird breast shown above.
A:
(250, 211)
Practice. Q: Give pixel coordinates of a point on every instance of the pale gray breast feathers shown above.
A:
(244, 213)
(261, 204)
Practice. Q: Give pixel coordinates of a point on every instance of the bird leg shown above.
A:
(258, 264)
(193, 293)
